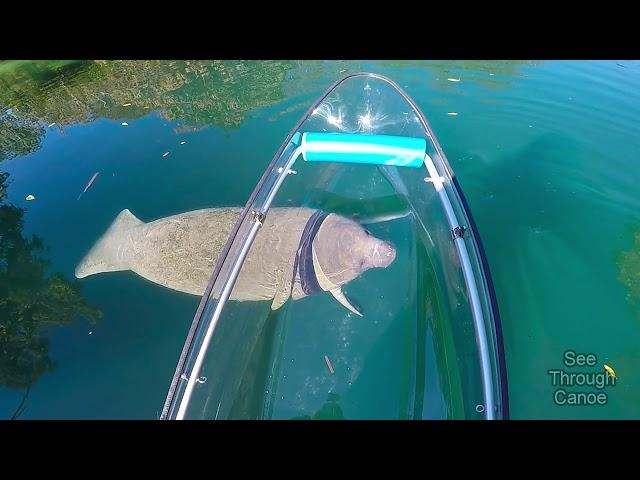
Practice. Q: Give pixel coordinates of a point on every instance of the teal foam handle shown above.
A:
(363, 148)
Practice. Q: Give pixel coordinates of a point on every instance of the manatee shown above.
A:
(297, 252)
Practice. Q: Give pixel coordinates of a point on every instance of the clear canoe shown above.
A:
(419, 338)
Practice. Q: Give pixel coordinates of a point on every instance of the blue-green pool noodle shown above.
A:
(364, 148)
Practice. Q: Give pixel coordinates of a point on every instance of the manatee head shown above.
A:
(344, 249)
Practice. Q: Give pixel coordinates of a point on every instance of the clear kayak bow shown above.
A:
(354, 283)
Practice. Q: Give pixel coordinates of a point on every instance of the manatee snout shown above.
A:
(383, 255)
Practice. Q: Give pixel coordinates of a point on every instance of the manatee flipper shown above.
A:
(283, 292)
(327, 285)
(339, 295)
(383, 217)
(374, 210)
(285, 283)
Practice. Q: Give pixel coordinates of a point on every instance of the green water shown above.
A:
(544, 151)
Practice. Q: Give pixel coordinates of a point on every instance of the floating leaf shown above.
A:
(610, 371)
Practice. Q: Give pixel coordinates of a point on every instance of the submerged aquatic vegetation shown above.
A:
(629, 270)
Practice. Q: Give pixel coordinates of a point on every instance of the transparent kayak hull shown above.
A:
(353, 285)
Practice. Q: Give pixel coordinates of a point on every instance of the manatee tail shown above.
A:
(106, 253)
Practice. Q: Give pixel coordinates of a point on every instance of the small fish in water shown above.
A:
(51, 124)
(610, 371)
(124, 124)
(453, 79)
(86, 187)
(30, 197)
(329, 366)
(182, 143)
(165, 154)
(453, 114)
(126, 104)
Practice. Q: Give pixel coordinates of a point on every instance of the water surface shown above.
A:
(546, 152)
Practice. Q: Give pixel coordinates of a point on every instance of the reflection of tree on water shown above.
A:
(29, 301)
(18, 136)
(198, 93)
